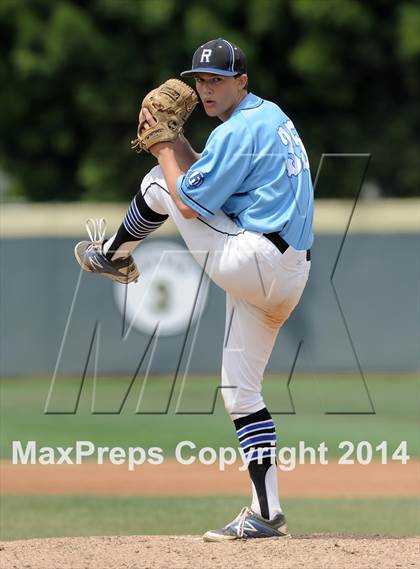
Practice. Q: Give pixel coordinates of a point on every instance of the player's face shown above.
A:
(220, 95)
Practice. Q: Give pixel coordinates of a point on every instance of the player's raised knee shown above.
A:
(241, 402)
(154, 176)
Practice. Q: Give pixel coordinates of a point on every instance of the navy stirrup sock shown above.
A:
(257, 438)
(138, 223)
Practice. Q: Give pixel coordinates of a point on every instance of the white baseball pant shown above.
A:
(262, 286)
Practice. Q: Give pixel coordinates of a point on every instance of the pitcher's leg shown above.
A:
(249, 340)
(199, 235)
(139, 221)
(152, 206)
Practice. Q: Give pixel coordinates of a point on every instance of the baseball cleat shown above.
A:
(90, 256)
(248, 525)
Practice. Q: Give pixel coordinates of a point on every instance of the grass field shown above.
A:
(396, 402)
(54, 516)
(395, 398)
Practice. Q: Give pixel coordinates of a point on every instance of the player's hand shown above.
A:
(149, 122)
(168, 108)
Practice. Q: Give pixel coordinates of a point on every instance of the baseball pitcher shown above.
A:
(247, 201)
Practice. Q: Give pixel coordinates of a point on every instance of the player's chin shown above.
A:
(211, 111)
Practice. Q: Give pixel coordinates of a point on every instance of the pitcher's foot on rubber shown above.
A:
(90, 256)
(248, 525)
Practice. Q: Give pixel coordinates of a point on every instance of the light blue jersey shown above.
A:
(254, 167)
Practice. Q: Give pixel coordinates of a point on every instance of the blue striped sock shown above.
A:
(257, 438)
(139, 221)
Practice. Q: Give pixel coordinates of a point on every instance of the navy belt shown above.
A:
(281, 244)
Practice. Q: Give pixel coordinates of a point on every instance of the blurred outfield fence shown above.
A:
(360, 307)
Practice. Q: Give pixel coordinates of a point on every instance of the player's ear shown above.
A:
(243, 80)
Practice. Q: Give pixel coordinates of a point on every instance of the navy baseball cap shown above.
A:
(220, 57)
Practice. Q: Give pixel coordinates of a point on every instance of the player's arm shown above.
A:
(167, 158)
(211, 180)
(185, 155)
(174, 158)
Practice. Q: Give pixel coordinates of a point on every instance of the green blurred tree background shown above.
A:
(73, 73)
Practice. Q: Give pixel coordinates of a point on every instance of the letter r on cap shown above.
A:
(205, 56)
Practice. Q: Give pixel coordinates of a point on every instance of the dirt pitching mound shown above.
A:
(190, 552)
